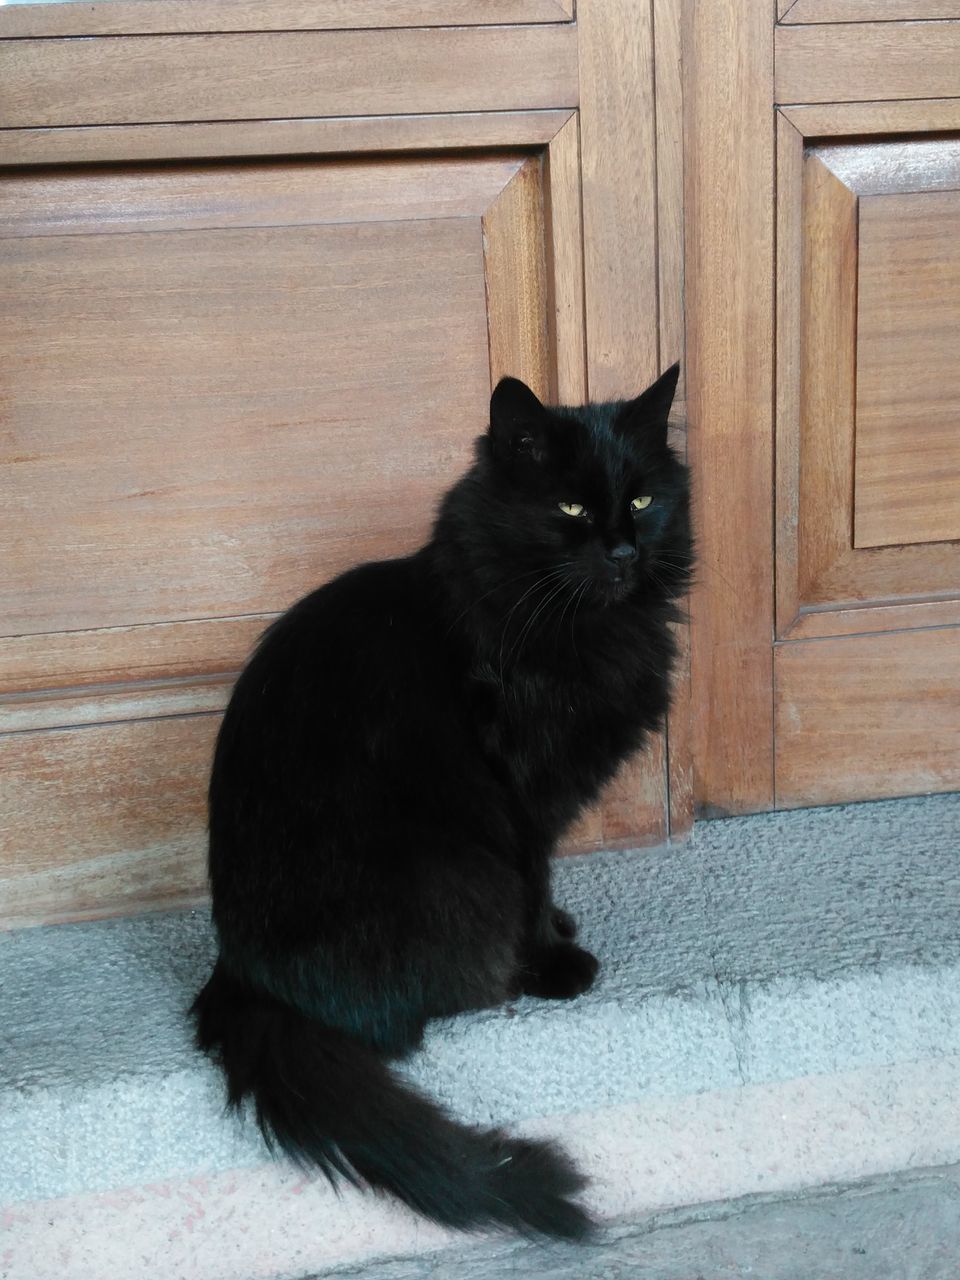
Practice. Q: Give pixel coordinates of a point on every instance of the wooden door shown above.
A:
(259, 269)
(824, 331)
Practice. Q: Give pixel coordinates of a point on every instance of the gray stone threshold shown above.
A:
(778, 1012)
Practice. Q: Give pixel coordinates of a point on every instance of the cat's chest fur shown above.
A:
(554, 736)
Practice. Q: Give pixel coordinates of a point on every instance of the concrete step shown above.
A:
(778, 1014)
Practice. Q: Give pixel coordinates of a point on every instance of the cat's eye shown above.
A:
(640, 504)
(572, 508)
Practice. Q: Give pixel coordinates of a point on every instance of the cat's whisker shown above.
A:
(703, 566)
(548, 577)
(567, 603)
(573, 618)
(557, 600)
(498, 586)
(554, 591)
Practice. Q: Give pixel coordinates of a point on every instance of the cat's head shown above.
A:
(594, 494)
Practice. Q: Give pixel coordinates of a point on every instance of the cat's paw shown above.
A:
(563, 923)
(560, 973)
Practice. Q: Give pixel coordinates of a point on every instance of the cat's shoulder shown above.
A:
(357, 607)
(369, 592)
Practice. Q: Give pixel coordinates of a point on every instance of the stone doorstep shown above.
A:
(779, 1011)
(676, 1161)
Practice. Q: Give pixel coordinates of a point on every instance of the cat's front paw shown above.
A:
(560, 973)
(563, 923)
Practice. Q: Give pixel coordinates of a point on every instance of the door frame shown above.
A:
(729, 210)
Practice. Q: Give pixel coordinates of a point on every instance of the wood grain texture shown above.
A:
(151, 651)
(134, 17)
(51, 90)
(789, 313)
(515, 275)
(618, 182)
(634, 805)
(885, 166)
(79, 839)
(907, 473)
(868, 10)
(586, 834)
(889, 164)
(253, 462)
(172, 341)
(618, 133)
(847, 118)
(669, 106)
(564, 244)
(818, 565)
(236, 138)
(824, 444)
(863, 619)
(729, 145)
(858, 61)
(184, 208)
(149, 198)
(861, 718)
(155, 79)
(64, 708)
(681, 780)
(668, 69)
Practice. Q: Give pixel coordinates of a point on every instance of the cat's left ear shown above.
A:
(649, 412)
(518, 421)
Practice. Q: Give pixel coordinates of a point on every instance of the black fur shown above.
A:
(393, 771)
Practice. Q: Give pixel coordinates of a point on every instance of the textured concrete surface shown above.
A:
(779, 1008)
(888, 1229)
(646, 1160)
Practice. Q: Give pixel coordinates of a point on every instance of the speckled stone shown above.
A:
(779, 1007)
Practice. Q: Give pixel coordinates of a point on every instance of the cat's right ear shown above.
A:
(518, 421)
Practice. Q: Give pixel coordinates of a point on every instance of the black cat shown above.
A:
(395, 766)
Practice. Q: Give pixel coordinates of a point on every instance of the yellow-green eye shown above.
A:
(571, 508)
(640, 504)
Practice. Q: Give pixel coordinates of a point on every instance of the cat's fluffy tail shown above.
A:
(331, 1103)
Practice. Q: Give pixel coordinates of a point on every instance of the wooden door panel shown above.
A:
(237, 371)
(907, 473)
(226, 385)
(851, 693)
(867, 387)
(244, 399)
(860, 718)
(104, 819)
(729, 220)
(860, 61)
(808, 11)
(342, 135)
(868, 461)
(229, 391)
(68, 201)
(129, 79)
(135, 17)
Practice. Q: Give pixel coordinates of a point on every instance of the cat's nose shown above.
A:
(622, 554)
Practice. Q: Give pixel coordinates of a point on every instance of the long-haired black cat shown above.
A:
(393, 771)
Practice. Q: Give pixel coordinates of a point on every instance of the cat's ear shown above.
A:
(649, 412)
(518, 421)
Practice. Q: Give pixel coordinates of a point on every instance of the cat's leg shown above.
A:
(467, 912)
(554, 967)
(434, 932)
(563, 923)
(558, 972)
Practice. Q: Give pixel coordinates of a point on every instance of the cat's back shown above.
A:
(344, 664)
(372, 608)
